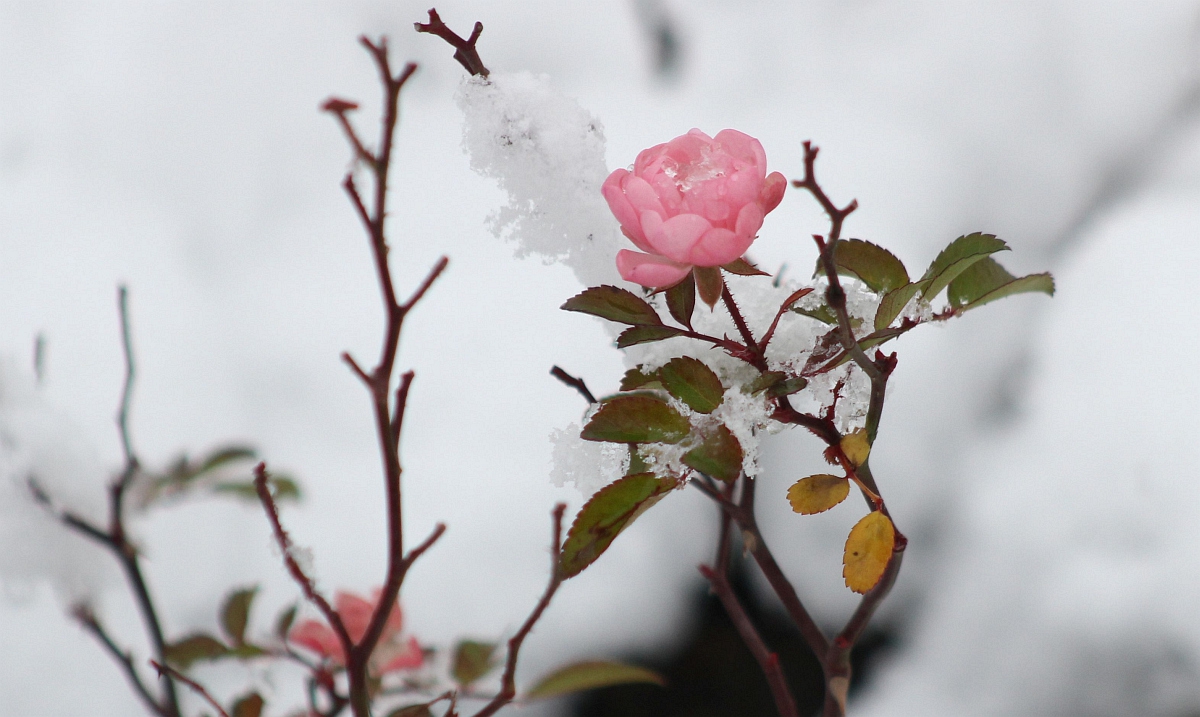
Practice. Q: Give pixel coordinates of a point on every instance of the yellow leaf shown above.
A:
(856, 447)
(817, 494)
(868, 550)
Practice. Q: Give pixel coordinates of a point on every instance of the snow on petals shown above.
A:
(693, 201)
(392, 653)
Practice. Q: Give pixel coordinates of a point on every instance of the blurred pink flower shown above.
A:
(391, 654)
(694, 201)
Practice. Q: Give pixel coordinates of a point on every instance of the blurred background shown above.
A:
(1039, 453)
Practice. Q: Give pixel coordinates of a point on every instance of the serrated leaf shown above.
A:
(719, 455)
(588, 676)
(283, 623)
(741, 267)
(614, 304)
(868, 550)
(764, 381)
(987, 281)
(636, 419)
(875, 266)
(709, 284)
(224, 456)
(681, 300)
(818, 493)
(611, 510)
(472, 660)
(249, 706)
(893, 303)
(235, 613)
(420, 710)
(856, 446)
(634, 378)
(957, 258)
(692, 382)
(822, 313)
(199, 646)
(645, 334)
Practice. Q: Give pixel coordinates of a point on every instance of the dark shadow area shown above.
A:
(713, 674)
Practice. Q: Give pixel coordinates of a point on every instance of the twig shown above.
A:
(787, 304)
(171, 673)
(124, 658)
(508, 688)
(464, 50)
(573, 382)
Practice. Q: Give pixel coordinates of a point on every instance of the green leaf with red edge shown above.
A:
(871, 264)
(235, 613)
(681, 300)
(957, 258)
(192, 648)
(645, 334)
(614, 304)
(636, 378)
(894, 302)
(986, 281)
(472, 660)
(611, 510)
(418, 710)
(719, 455)
(589, 676)
(283, 623)
(249, 706)
(709, 284)
(636, 419)
(741, 267)
(692, 382)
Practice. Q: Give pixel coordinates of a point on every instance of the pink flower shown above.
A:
(694, 201)
(391, 654)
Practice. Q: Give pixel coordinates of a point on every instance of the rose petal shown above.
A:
(749, 221)
(642, 196)
(676, 237)
(319, 638)
(649, 156)
(742, 187)
(772, 191)
(619, 205)
(409, 658)
(650, 270)
(745, 148)
(718, 246)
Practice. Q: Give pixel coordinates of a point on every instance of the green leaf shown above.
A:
(636, 419)
(472, 660)
(198, 646)
(788, 386)
(634, 378)
(692, 382)
(421, 710)
(645, 334)
(765, 380)
(986, 281)
(282, 488)
(590, 675)
(637, 464)
(611, 510)
(957, 258)
(681, 300)
(709, 284)
(223, 456)
(822, 313)
(249, 706)
(875, 266)
(609, 302)
(741, 267)
(719, 456)
(235, 613)
(246, 651)
(284, 622)
(894, 302)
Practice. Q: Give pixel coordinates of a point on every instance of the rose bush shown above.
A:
(693, 201)
(392, 654)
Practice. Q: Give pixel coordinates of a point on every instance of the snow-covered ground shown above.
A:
(1036, 451)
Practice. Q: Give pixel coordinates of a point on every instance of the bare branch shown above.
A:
(172, 674)
(573, 382)
(464, 50)
(87, 619)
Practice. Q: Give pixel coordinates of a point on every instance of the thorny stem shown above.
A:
(508, 687)
(173, 674)
(116, 540)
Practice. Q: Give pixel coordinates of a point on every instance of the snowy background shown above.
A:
(1038, 453)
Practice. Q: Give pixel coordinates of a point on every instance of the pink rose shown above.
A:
(391, 654)
(694, 201)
